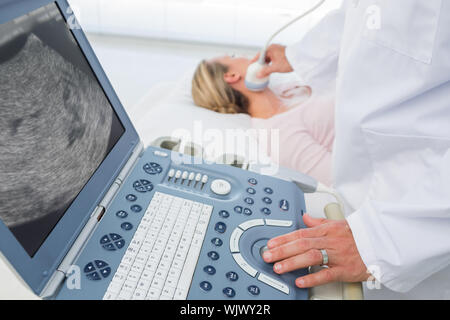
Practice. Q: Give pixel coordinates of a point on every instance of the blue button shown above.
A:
(266, 211)
(209, 270)
(268, 190)
(205, 285)
(100, 264)
(251, 191)
(115, 236)
(217, 242)
(229, 292)
(152, 168)
(109, 247)
(121, 214)
(89, 267)
(213, 255)
(232, 276)
(220, 227)
(93, 276)
(136, 208)
(126, 226)
(248, 212)
(254, 290)
(238, 209)
(105, 272)
(104, 239)
(120, 244)
(131, 197)
(252, 181)
(284, 205)
(224, 214)
(142, 185)
(267, 200)
(249, 201)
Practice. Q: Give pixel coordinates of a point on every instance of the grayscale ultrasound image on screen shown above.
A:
(56, 124)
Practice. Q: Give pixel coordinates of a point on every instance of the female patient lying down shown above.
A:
(305, 121)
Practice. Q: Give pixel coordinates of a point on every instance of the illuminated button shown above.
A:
(284, 205)
(267, 200)
(224, 214)
(273, 283)
(209, 270)
(253, 181)
(249, 201)
(238, 209)
(105, 272)
(279, 223)
(104, 239)
(234, 240)
(221, 187)
(217, 242)
(220, 227)
(229, 292)
(89, 267)
(131, 197)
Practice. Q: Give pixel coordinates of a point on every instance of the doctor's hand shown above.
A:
(276, 58)
(301, 249)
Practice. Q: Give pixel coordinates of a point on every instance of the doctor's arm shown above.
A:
(315, 56)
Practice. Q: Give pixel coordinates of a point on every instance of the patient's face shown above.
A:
(235, 64)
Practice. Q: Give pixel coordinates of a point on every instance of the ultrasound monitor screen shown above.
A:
(56, 124)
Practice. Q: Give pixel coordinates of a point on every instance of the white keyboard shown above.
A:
(160, 260)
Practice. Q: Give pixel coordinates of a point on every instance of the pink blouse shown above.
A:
(306, 135)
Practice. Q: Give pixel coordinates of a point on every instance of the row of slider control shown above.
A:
(183, 176)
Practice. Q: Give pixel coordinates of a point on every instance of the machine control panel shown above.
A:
(247, 210)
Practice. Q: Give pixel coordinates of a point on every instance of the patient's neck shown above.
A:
(264, 105)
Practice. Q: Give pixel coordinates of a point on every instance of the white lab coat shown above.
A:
(392, 145)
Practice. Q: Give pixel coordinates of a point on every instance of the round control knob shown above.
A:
(221, 187)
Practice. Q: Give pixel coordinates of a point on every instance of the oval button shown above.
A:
(220, 227)
(229, 292)
(217, 242)
(209, 270)
(213, 255)
(205, 285)
(232, 276)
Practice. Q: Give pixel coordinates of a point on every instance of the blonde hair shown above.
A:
(211, 91)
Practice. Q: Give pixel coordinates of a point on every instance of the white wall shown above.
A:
(227, 22)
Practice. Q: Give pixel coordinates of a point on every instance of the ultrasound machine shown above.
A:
(112, 220)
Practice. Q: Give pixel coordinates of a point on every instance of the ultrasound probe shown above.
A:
(252, 82)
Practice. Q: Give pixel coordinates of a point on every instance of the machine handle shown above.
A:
(350, 291)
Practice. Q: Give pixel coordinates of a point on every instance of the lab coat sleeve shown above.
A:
(403, 236)
(315, 57)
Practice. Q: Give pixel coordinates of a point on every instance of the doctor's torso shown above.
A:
(392, 103)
